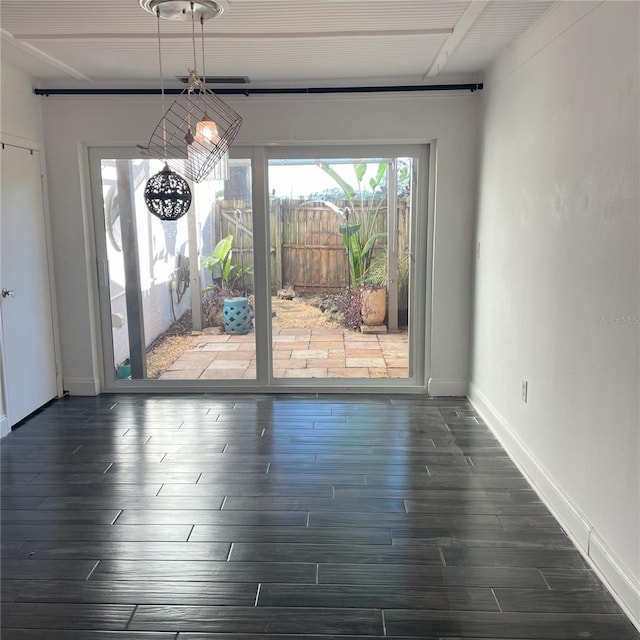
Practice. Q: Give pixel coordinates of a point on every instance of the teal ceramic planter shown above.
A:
(236, 316)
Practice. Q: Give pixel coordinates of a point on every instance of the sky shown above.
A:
(299, 180)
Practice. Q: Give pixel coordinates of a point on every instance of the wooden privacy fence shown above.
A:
(235, 217)
(314, 258)
(306, 246)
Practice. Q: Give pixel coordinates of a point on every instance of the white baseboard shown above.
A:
(81, 386)
(4, 426)
(447, 387)
(594, 549)
(623, 587)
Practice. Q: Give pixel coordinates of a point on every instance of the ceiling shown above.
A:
(113, 43)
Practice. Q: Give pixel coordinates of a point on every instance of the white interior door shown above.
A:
(27, 327)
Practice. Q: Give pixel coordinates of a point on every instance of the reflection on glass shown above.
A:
(167, 317)
(340, 233)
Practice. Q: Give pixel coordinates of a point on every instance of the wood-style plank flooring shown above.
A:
(281, 517)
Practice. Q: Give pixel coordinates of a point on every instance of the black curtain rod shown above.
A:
(476, 86)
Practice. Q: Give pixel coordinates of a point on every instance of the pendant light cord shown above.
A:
(204, 69)
(164, 122)
(193, 37)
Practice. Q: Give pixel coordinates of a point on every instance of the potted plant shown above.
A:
(374, 305)
(360, 238)
(373, 292)
(358, 232)
(236, 314)
(366, 304)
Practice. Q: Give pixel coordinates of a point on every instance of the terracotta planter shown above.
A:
(374, 306)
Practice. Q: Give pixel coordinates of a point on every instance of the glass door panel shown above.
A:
(341, 274)
(178, 293)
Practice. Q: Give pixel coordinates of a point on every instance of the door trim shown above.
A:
(420, 287)
(34, 146)
(420, 308)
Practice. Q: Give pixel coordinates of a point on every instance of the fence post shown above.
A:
(275, 213)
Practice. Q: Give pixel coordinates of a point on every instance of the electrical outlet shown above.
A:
(525, 390)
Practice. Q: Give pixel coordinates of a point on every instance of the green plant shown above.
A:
(349, 304)
(377, 276)
(377, 273)
(404, 264)
(212, 304)
(359, 233)
(404, 176)
(219, 262)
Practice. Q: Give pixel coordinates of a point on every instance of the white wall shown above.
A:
(557, 281)
(20, 115)
(20, 124)
(450, 120)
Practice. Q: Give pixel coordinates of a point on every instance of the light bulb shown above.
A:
(207, 131)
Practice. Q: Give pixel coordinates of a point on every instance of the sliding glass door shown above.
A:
(315, 282)
(166, 286)
(343, 227)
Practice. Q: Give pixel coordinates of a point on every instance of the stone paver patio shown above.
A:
(297, 353)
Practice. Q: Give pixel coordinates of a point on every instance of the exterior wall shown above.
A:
(557, 280)
(158, 244)
(449, 120)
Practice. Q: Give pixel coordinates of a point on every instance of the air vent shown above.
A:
(219, 79)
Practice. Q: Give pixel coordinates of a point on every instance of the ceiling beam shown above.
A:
(467, 20)
(25, 47)
(377, 33)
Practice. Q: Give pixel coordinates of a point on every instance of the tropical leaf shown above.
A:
(360, 237)
(360, 169)
(223, 247)
(349, 191)
(355, 257)
(226, 268)
(349, 228)
(220, 258)
(382, 170)
(370, 243)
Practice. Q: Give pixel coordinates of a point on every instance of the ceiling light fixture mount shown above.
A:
(180, 10)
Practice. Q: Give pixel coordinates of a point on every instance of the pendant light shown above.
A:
(166, 194)
(198, 128)
(207, 133)
(207, 130)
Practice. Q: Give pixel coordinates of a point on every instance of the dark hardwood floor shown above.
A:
(281, 517)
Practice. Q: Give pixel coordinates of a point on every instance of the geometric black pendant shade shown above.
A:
(167, 195)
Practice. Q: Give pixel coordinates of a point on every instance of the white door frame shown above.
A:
(420, 289)
(420, 311)
(6, 420)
